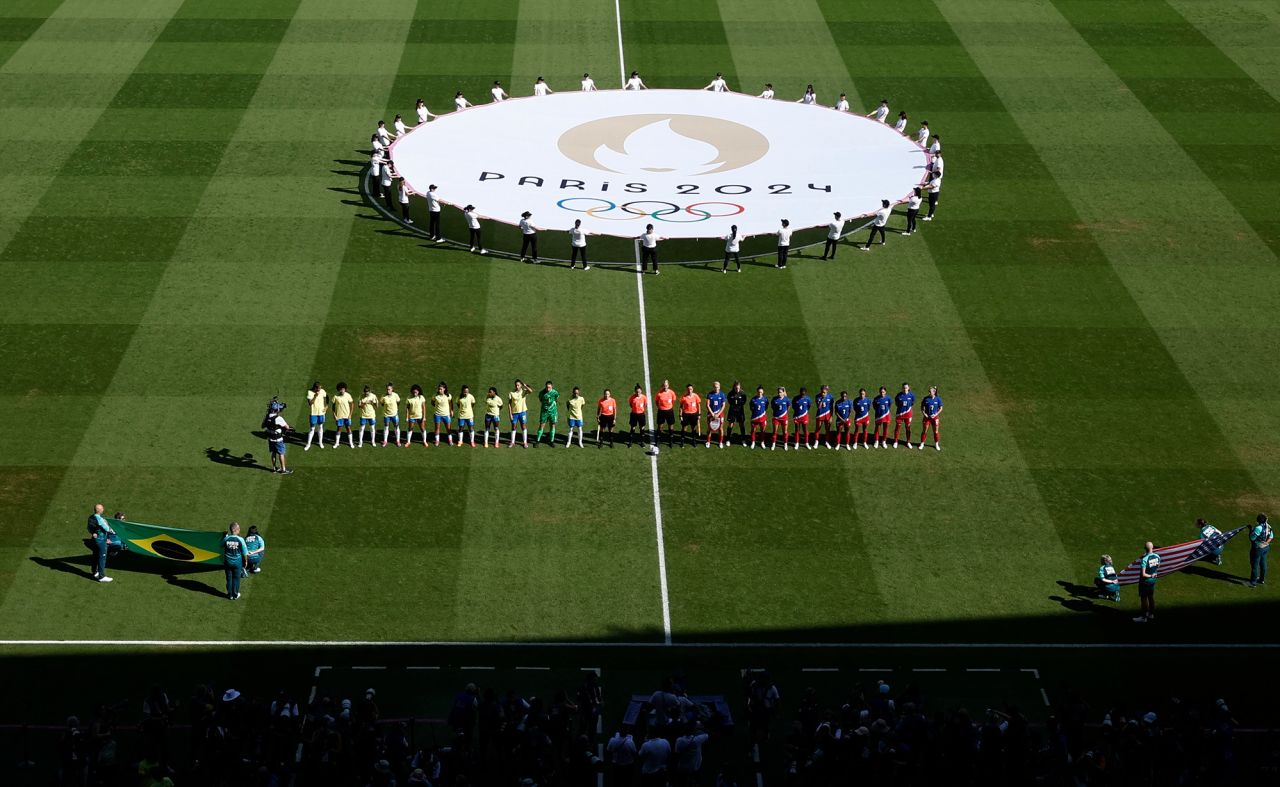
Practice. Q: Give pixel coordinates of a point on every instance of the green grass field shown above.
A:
(183, 236)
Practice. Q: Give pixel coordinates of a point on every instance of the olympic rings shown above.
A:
(669, 209)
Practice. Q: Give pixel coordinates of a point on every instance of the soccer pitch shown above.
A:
(184, 236)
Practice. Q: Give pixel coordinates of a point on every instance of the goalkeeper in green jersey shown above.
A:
(547, 397)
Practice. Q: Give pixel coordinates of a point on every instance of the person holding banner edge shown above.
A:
(1150, 563)
(101, 533)
(234, 550)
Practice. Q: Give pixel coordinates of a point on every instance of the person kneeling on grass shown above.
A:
(1108, 581)
(256, 547)
(1208, 531)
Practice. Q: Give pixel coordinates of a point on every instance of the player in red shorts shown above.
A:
(931, 409)
(881, 404)
(759, 412)
(903, 403)
(781, 407)
(800, 407)
(861, 420)
(822, 405)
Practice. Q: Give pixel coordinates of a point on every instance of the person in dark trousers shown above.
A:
(528, 237)
(732, 243)
(1150, 563)
(433, 212)
(913, 210)
(784, 243)
(834, 230)
(100, 532)
(1259, 547)
(404, 201)
(649, 249)
(878, 223)
(1108, 581)
(578, 246)
(935, 186)
(473, 228)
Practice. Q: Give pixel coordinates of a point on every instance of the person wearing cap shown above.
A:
(1208, 531)
(649, 248)
(1108, 581)
(101, 533)
(1259, 546)
(233, 552)
(275, 426)
(473, 228)
(255, 548)
(1150, 563)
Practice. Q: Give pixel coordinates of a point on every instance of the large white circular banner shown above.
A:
(690, 162)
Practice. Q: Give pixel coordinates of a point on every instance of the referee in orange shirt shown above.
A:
(666, 401)
(639, 404)
(690, 413)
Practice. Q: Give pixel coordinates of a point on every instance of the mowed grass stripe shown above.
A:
(921, 339)
(545, 530)
(727, 514)
(1171, 474)
(1192, 72)
(1246, 32)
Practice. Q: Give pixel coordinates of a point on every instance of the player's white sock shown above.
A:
(337, 439)
(321, 430)
(473, 438)
(351, 440)
(310, 434)
(524, 434)
(424, 436)
(386, 432)
(362, 437)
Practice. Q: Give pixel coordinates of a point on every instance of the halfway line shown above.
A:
(622, 63)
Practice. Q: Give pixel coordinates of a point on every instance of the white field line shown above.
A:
(983, 669)
(1035, 673)
(622, 63)
(356, 643)
(1044, 695)
(820, 669)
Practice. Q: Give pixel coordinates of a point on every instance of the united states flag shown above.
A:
(1178, 556)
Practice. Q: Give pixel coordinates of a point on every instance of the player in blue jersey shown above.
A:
(780, 405)
(759, 411)
(844, 409)
(800, 407)
(861, 419)
(822, 405)
(902, 404)
(716, 400)
(881, 404)
(931, 409)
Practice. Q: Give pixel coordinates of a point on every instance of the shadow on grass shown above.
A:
(129, 563)
(192, 585)
(1221, 576)
(223, 456)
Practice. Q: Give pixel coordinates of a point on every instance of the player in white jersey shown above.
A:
(460, 102)
(718, 85)
(541, 88)
(881, 112)
(768, 91)
(497, 92)
(843, 104)
(588, 84)
(901, 125)
(635, 82)
(424, 114)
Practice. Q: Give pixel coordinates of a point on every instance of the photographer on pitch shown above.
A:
(275, 426)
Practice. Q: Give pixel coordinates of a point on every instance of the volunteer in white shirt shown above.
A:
(935, 163)
(386, 191)
(635, 82)
(937, 144)
(877, 224)
(383, 135)
(460, 102)
(901, 125)
(834, 230)
(784, 243)
(935, 186)
(881, 112)
(541, 88)
(497, 92)
(401, 128)
(732, 242)
(528, 237)
(718, 85)
(768, 91)
(424, 114)
(433, 213)
(404, 201)
(922, 136)
(649, 248)
(377, 163)
(588, 84)
(473, 228)
(578, 246)
(809, 97)
(913, 210)
(843, 104)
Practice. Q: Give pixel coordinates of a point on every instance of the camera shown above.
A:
(275, 405)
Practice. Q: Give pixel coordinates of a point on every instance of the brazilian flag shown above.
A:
(170, 543)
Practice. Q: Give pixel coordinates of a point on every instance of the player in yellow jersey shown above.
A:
(368, 416)
(318, 401)
(493, 417)
(416, 410)
(390, 402)
(444, 412)
(466, 408)
(518, 399)
(575, 403)
(342, 416)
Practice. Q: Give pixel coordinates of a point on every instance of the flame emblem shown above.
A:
(663, 144)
